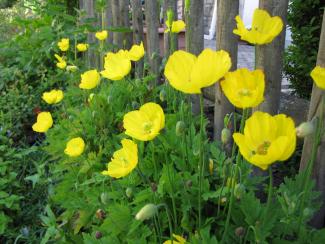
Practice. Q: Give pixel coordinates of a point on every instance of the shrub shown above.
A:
(305, 20)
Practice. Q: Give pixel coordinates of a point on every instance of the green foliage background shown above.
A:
(305, 20)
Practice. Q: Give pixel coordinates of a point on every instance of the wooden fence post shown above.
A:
(138, 36)
(152, 24)
(117, 21)
(270, 58)
(226, 40)
(314, 111)
(125, 22)
(109, 20)
(194, 37)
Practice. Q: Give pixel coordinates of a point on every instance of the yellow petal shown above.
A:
(90, 79)
(178, 70)
(178, 26)
(43, 123)
(209, 67)
(117, 66)
(136, 52)
(75, 147)
(318, 75)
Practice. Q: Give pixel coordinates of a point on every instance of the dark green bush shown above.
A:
(305, 20)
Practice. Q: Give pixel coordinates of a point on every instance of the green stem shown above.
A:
(230, 204)
(154, 161)
(201, 160)
(316, 143)
(269, 195)
(169, 222)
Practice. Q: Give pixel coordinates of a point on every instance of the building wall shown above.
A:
(208, 12)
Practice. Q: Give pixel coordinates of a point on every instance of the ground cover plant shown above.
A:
(121, 158)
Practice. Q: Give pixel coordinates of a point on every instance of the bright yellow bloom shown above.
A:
(188, 73)
(75, 147)
(117, 65)
(180, 240)
(101, 35)
(318, 75)
(90, 79)
(82, 47)
(61, 64)
(136, 52)
(177, 26)
(144, 124)
(267, 139)
(244, 88)
(264, 28)
(63, 44)
(123, 161)
(54, 96)
(43, 123)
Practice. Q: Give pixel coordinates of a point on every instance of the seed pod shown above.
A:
(153, 186)
(135, 105)
(189, 183)
(180, 128)
(147, 212)
(211, 166)
(225, 135)
(129, 192)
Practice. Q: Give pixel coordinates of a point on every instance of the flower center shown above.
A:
(244, 92)
(262, 149)
(125, 162)
(147, 127)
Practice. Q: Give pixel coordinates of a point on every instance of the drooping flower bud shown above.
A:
(162, 95)
(98, 235)
(225, 135)
(187, 5)
(71, 68)
(239, 190)
(90, 97)
(147, 212)
(305, 129)
(189, 183)
(153, 186)
(180, 128)
(104, 198)
(100, 214)
(129, 192)
(211, 166)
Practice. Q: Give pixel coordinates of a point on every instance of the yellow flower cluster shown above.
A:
(118, 65)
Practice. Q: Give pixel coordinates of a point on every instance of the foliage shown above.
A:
(305, 20)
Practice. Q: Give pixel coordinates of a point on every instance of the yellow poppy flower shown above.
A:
(188, 73)
(54, 96)
(123, 161)
(82, 47)
(61, 64)
(136, 52)
(180, 240)
(244, 88)
(101, 35)
(75, 147)
(144, 124)
(117, 65)
(63, 44)
(43, 123)
(267, 139)
(264, 28)
(177, 26)
(90, 79)
(318, 75)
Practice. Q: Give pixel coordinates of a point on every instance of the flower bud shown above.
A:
(104, 198)
(129, 192)
(225, 135)
(98, 235)
(189, 183)
(180, 128)
(187, 5)
(231, 182)
(223, 200)
(240, 231)
(305, 129)
(239, 190)
(109, 99)
(25, 231)
(91, 96)
(135, 105)
(162, 95)
(170, 16)
(307, 212)
(100, 214)
(146, 212)
(72, 68)
(211, 166)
